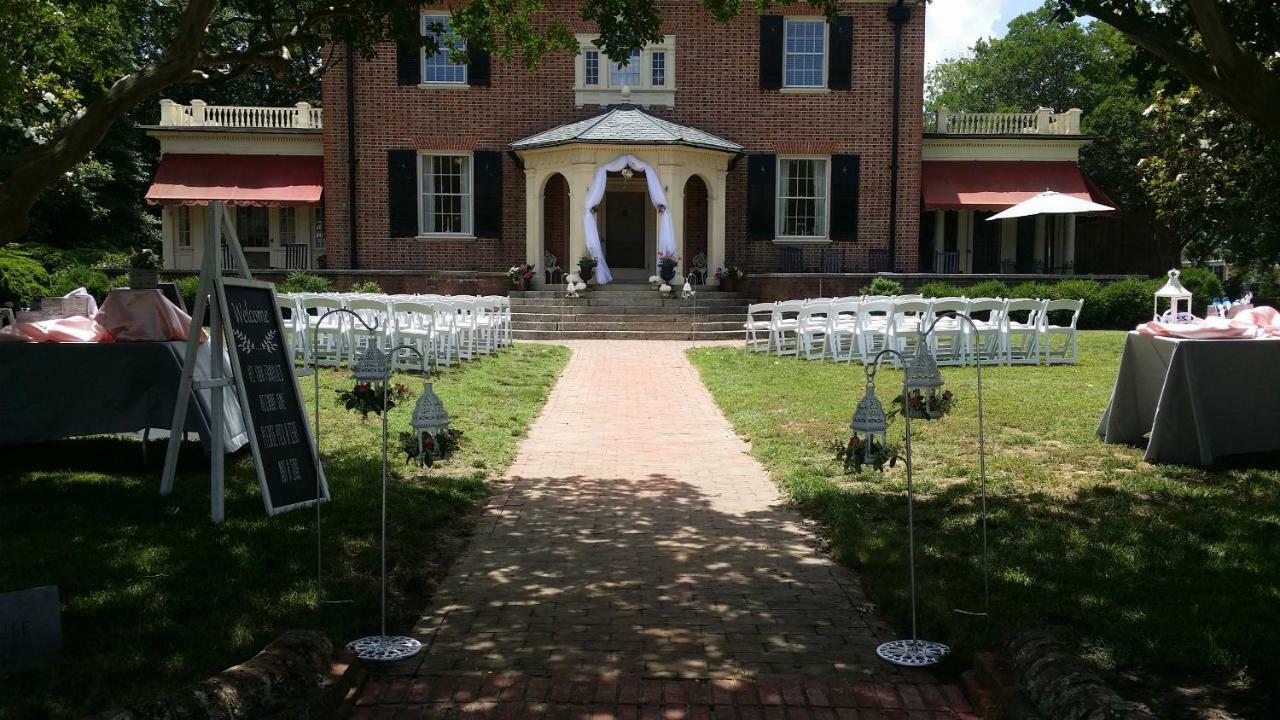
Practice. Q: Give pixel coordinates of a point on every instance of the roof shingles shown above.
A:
(626, 125)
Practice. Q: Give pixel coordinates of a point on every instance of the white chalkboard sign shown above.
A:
(284, 453)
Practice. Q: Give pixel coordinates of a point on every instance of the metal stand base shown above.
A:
(385, 648)
(912, 653)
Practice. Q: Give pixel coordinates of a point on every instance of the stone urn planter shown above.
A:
(667, 271)
(586, 271)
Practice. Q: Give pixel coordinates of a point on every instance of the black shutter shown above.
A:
(478, 68)
(844, 197)
(402, 192)
(770, 52)
(762, 196)
(487, 194)
(840, 59)
(408, 63)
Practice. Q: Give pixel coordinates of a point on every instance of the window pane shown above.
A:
(253, 226)
(317, 232)
(629, 75)
(659, 62)
(802, 197)
(436, 67)
(446, 194)
(591, 68)
(287, 220)
(182, 230)
(805, 53)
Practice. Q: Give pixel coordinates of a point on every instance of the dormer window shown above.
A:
(649, 75)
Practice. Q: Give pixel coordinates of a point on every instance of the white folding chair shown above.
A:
(1021, 333)
(947, 341)
(873, 328)
(783, 322)
(1068, 352)
(445, 330)
(759, 316)
(842, 324)
(327, 337)
(414, 326)
(811, 328)
(373, 310)
(291, 317)
(985, 344)
(906, 325)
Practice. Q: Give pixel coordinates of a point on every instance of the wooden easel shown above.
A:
(217, 223)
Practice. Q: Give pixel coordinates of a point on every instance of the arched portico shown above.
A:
(578, 151)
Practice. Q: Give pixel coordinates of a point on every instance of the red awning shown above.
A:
(996, 185)
(238, 180)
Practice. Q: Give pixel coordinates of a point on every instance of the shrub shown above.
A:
(988, 289)
(187, 287)
(1204, 286)
(23, 280)
(76, 276)
(300, 282)
(1269, 284)
(368, 286)
(1033, 290)
(1093, 314)
(883, 286)
(1127, 303)
(941, 289)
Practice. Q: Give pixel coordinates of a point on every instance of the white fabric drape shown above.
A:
(666, 227)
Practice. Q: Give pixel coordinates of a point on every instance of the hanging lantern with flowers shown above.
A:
(922, 399)
(1179, 301)
(372, 393)
(434, 438)
(869, 442)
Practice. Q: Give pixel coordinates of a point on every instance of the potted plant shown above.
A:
(144, 269)
(586, 266)
(729, 275)
(667, 263)
(521, 276)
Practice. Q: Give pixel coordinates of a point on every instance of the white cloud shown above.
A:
(952, 26)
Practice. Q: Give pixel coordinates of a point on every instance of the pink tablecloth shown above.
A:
(125, 316)
(1260, 322)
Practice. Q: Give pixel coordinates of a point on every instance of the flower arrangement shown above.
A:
(520, 275)
(145, 259)
(654, 281)
(729, 272)
(367, 398)
(857, 452)
(586, 262)
(434, 447)
(668, 260)
(925, 406)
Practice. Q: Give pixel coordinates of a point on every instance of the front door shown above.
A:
(624, 232)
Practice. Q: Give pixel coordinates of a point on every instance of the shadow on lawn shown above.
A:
(155, 595)
(1115, 569)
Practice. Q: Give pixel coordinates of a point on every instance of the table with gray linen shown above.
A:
(50, 391)
(1200, 400)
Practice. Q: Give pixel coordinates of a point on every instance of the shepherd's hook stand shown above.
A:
(914, 652)
(384, 647)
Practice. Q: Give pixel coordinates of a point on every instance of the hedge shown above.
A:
(300, 282)
(23, 280)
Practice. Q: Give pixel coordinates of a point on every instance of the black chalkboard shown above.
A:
(283, 450)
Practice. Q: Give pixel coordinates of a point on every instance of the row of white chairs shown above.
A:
(1008, 331)
(445, 329)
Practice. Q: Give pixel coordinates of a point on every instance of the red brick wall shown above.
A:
(717, 76)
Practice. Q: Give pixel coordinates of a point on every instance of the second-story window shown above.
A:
(805, 53)
(437, 67)
(658, 64)
(629, 74)
(591, 68)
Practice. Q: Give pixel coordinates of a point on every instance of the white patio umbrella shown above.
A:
(1050, 202)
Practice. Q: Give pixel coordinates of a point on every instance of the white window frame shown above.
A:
(281, 213)
(469, 219)
(586, 81)
(644, 93)
(779, 204)
(826, 52)
(317, 227)
(431, 19)
(179, 232)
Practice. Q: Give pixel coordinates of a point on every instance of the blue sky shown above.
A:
(952, 26)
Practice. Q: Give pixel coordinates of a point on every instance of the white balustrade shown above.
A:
(199, 114)
(1041, 122)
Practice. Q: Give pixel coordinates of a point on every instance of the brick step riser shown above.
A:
(611, 302)
(673, 318)
(542, 294)
(738, 310)
(630, 326)
(623, 335)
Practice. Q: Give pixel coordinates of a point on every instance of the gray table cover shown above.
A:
(50, 391)
(1199, 399)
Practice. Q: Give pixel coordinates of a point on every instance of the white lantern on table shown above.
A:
(1177, 295)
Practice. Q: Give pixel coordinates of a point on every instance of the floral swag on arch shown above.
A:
(666, 227)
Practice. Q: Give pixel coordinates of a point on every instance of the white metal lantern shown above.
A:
(373, 366)
(429, 416)
(1177, 296)
(870, 430)
(923, 376)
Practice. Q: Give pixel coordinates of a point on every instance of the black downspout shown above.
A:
(898, 15)
(351, 153)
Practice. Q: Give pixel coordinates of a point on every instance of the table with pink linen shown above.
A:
(1201, 391)
(115, 372)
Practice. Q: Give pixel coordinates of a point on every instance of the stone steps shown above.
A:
(624, 334)
(627, 312)
(625, 300)
(579, 309)
(578, 324)
(670, 318)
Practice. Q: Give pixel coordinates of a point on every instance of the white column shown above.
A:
(716, 218)
(533, 226)
(1069, 242)
(579, 179)
(673, 179)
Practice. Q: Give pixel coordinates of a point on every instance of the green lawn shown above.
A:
(1168, 572)
(155, 596)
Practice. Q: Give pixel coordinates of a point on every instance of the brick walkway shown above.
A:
(634, 538)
